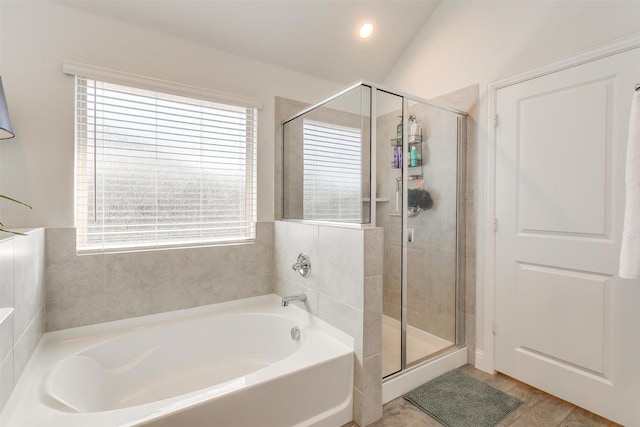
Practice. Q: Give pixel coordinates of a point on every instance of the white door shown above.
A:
(565, 323)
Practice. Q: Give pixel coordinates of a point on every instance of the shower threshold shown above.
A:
(420, 345)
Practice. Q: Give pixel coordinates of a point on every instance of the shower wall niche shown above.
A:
(373, 157)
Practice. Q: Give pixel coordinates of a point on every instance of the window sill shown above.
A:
(130, 249)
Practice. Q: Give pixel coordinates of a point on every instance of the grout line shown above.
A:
(567, 417)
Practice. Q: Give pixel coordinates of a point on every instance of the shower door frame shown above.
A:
(460, 275)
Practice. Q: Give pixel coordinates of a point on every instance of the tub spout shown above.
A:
(296, 297)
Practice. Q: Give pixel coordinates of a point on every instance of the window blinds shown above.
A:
(156, 169)
(332, 172)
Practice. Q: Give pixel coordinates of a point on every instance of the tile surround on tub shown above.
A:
(22, 302)
(347, 294)
(341, 264)
(87, 289)
(26, 345)
(6, 272)
(6, 331)
(6, 379)
(372, 334)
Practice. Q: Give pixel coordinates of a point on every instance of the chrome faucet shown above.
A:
(296, 297)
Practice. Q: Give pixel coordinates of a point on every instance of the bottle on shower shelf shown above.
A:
(413, 158)
(415, 130)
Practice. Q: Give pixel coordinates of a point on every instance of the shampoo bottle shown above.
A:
(415, 132)
(413, 156)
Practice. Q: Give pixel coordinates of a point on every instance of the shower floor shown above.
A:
(420, 344)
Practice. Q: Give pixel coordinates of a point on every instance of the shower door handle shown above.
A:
(409, 235)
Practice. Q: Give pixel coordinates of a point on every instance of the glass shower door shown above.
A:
(418, 172)
(432, 194)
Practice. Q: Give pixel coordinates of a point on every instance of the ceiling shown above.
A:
(316, 37)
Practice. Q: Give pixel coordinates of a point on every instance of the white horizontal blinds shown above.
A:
(332, 172)
(155, 169)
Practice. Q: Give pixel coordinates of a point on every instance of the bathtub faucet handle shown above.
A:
(303, 265)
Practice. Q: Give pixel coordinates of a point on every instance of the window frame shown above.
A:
(165, 87)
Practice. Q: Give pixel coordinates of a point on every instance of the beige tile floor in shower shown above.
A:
(539, 409)
(420, 344)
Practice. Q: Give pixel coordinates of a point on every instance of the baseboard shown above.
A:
(483, 363)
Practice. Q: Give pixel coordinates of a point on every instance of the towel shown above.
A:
(630, 253)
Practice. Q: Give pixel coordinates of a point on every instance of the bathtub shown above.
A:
(231, 364)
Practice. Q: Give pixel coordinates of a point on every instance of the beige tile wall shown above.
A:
(344, 289)
(89, 289)
(21, 288)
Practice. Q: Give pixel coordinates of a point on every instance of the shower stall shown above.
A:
(372, 157)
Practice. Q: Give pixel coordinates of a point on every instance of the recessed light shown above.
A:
(366, 30)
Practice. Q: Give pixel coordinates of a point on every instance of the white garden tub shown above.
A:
(231, 364)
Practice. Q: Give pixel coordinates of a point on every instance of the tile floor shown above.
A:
(538, 410)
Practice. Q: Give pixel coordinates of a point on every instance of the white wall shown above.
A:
(465, 43)
(36, 36)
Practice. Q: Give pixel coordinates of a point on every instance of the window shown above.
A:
(155, 169)
(332, 172)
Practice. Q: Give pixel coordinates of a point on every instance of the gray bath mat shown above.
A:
(458, 400)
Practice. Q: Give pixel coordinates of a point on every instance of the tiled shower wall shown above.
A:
(87, 289)
(344, 289)
(21, 304)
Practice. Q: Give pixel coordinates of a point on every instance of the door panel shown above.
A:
(569, 303)
(543, 155)
(565, 322)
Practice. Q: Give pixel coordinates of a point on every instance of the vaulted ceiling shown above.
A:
(316, 37)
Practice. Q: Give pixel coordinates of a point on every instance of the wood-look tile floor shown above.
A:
(538, 410)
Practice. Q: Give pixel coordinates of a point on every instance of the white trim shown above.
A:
(608, 49)
(151, 83)
(480, 359)
(485, 357)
